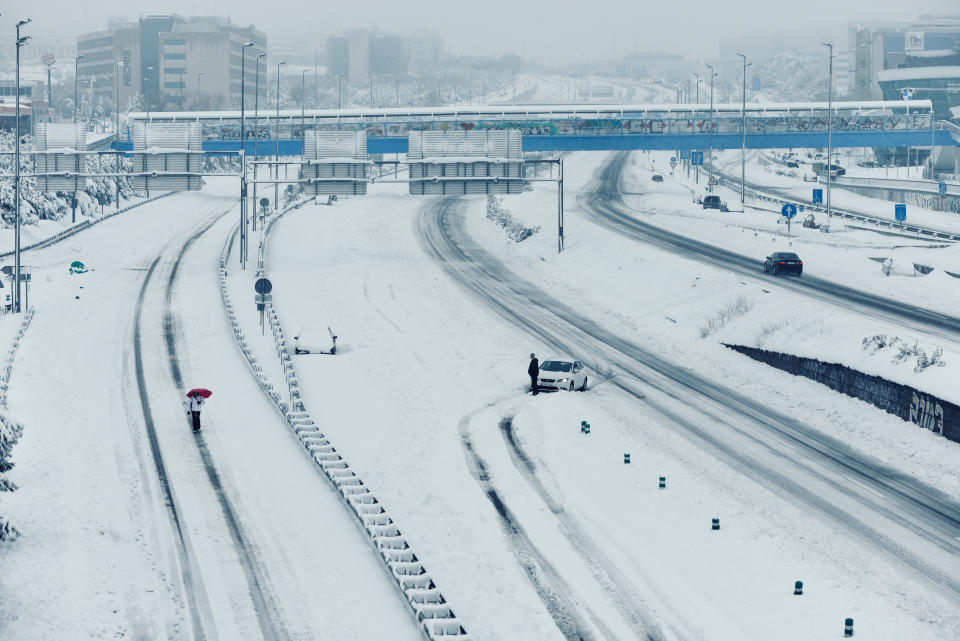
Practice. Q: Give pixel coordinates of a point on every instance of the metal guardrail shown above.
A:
(432, 613)
(923, 186)
(86, 224)
(918, 231)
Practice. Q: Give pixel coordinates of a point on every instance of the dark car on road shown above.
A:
(657, 178)
(783, 263)
(712, 202)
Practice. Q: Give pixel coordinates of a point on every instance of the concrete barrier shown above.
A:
(912, 405)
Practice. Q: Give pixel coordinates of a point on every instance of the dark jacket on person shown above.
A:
(534, 369)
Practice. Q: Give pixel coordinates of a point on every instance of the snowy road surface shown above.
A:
(534, 532)
(156, 532)
(607, 208)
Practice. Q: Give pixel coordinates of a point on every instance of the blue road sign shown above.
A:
(673, 159)
(684, 154)
(942, 188)
(696, 158)
(900, 211)
(817, 196)
(789, 210)
(800, 208)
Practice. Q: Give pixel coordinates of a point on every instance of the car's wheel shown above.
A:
(776, 271)
(583, 388)
(571, 386)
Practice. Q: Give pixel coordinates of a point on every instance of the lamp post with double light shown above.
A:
(243, 155)
(713, 122)
(21, 41)
(743, 132)
(276, 156)
(829, 45)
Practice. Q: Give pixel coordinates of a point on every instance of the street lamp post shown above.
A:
(340, 91)
(303, 93)
(202, 73)
(713, 120)
(149, 93)
(829, 46)
(371, 92)
(116, 132)
(256, 137)
(276, 157)
(16, 172)
(243, 156)
(76, 75)
(743, 132)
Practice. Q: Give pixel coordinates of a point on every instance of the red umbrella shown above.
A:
(201, 391)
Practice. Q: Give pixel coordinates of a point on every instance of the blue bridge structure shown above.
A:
(583, 127)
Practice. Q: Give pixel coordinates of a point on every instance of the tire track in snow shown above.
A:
(263, 602)
(908, 520)
(192, 581)
(604, 570)
(555, 594)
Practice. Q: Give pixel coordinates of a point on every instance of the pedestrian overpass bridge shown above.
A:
(585, 127)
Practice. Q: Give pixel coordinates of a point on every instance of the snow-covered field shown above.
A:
(531, 528)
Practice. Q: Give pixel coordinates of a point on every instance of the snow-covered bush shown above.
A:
(515, 228)
(904, 351)
(734, 308)
(39, 205)
(10, 432)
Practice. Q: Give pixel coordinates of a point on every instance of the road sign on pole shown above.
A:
(817, 196)
(942, 188)
(789, 210)
(900, 211)
(263, 286)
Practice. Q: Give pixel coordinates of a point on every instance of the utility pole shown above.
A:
(829, 128)
(16, 173)
(743, 133)
(276, 156)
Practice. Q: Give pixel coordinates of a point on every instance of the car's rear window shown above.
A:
(788, 256)
(556, 366)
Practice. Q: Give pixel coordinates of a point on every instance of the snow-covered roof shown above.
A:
(918, 73)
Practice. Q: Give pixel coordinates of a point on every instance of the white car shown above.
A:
(309, 344)
(562, 373)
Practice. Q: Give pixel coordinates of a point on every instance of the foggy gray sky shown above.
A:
(560, 29)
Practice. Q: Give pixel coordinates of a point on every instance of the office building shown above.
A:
(359, 54)
(877, 46)
(167, 62)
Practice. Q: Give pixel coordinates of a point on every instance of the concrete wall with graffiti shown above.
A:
(912, 405)
(927, 198)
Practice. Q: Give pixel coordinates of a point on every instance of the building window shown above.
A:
(173, 85)
(174, 71)
(175, 56)
(173, 42)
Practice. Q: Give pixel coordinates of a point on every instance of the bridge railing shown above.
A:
(703, 124)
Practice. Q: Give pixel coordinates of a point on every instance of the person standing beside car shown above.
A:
(534, 371)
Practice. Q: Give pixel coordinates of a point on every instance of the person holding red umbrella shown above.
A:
(197, 398)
